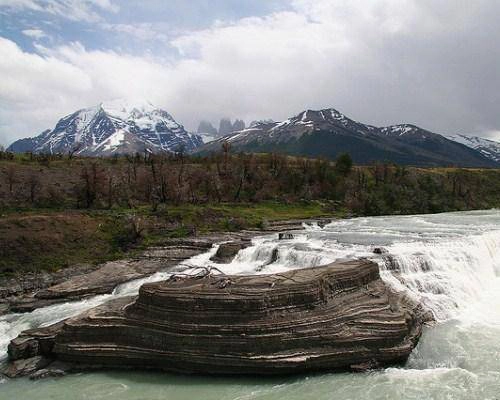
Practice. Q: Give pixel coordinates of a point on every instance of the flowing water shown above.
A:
(450, 262)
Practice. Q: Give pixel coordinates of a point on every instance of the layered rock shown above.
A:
(340, 316)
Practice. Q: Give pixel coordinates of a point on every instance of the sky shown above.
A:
(433, 63)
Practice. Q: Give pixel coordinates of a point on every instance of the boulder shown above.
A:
(227, 251)
(285, 236)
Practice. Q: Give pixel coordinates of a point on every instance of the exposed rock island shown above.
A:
(341, 316)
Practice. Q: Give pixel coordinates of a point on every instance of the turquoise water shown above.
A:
(457, 358)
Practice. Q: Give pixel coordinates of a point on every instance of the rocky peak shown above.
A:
(115, 127)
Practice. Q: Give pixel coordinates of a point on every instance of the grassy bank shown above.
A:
(34, 239)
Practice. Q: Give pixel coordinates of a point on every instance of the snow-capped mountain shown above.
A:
(488, 148)
(328, 133)
(115, 127)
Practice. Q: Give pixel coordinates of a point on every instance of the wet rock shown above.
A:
(25, 366)
(30, 303)
(101, 281)
(379, 250)
(391, 263)
(53, 370)
(340, 316)
(178, 249)
(4, 307)
(34, 342)
(227, 251)
(274, 257)
(323, 222)
(365, 366)
(285, 236)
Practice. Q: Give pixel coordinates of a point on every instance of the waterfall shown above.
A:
(445, 276)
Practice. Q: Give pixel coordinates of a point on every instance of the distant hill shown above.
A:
(116, 127)
(328, 133)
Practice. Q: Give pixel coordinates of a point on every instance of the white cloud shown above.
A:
(379, 61)
(34, 33)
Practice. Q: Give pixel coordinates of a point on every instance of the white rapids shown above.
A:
(449, 262)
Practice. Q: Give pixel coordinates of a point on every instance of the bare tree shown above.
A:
(33, 186)
(11, 177)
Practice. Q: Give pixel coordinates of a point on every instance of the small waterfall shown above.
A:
(446, 276)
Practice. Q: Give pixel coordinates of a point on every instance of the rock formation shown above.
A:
(206, 127)
(340, 316)
(227, 251)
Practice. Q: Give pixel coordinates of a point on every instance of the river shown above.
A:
(450, 262)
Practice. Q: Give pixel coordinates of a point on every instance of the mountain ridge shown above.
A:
(120, 127)
(328, 133)
(489, 148)
(115, 127)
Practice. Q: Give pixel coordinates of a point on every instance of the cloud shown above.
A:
(75, 10)
(140, 31)
(34, 33)
(379, 61)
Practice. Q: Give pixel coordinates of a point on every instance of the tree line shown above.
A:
(129, 181)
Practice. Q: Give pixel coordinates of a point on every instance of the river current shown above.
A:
(450, 262)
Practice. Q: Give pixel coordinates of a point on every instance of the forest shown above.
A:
(35, 181)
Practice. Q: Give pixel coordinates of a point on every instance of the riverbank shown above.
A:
(34, 241)
(27, 291)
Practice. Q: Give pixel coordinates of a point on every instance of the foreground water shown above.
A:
(449, 262)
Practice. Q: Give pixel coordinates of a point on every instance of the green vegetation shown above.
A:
(50, 239)
(56, 211)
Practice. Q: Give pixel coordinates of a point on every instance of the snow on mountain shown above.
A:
(207, 137)
(115, 127)
(329, 133)
(488, 148)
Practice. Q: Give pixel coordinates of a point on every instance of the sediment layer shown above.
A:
(340, 316)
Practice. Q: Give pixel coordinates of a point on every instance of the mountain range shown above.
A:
(329, 133)
(120, 127)
(116, 127)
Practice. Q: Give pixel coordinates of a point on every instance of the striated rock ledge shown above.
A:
(340, 316)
